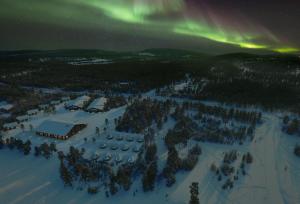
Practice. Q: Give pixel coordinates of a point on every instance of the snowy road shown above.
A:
(268, 180)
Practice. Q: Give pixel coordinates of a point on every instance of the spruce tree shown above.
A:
(65, 174)
(149, 177)
(194, 190)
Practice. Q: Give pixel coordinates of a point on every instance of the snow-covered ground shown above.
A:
(84, 61)
(92, 120)
(273, 177)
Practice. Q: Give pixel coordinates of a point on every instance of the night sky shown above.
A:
(211, 26)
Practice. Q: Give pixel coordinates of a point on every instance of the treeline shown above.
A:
(248, 92)
(212, 124)
(114, 102)
(226, 114)
(73, 166)
(227, 168)
(23, 100)
(45, 150)
(75, 169)
(132, 76)
(150, 170)
(291, 125)
(175, 163)
(271, 84)
(213, 130)
(251, 117)
(13, 143)
(142, 114)
(182, 132)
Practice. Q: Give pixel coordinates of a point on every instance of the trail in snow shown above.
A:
(20, 198)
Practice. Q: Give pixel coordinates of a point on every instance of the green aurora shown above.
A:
(155, 15)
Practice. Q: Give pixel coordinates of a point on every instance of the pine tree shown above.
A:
(46, 150)
(249, 158)
(169, 175)
(194, 190)
(297, 150)
(53, 147)
(65, 174)
(149, 177)
(150, 154)
(37, 151)
(27, 147)
(123, 177)
(61, 155)
(286, 120)
(173, 160)
(22, 127)
(112, 187)
(1, 144)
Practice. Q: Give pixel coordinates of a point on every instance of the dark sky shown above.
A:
(211, 26)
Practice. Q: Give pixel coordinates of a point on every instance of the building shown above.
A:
(5, 107)
(32, 112)
(43, 106)
(54, 103)
(22, 118)
(59, 129)
(9, 126)
(65, 98)
(78, 103)
(97, 105)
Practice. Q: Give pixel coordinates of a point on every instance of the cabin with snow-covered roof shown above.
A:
(97, 105)
(22, 118)
(59, 129)
(5, 107)
(43, 106)
(32, 112)
(78, 103)
(65, 98)
(9, 126)
(54, 103)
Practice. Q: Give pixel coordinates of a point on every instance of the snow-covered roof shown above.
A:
(98, 103)
(5, 106)
(137, 147)
(132, 159)
(55, 102)
(33, 111)
(65, 98)
(44, 106)
(180, 87)
(79, 102)
(55, 127)
(10, 125)
(22, 117)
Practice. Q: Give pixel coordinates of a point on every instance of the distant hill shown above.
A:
(174, 52)
(244, 56)
(74, 53)
(56, 53)
(149, 54)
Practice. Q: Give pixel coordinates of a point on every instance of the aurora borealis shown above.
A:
(134, 24)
